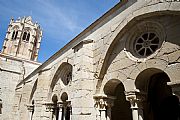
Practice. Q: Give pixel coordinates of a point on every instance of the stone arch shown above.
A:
(54, 98)
(121, 107)
(110, 87)
(64, 97)
(142, 83)
(63, 75)
(33, 91)
(153, 82)
(159, 64)
(16, 27)
(121, 30)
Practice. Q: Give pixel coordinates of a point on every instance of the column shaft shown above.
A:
(60, 114)
(103, 114)
(135, 114)
(30, 115)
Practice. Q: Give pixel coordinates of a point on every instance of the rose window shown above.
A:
(146, 44)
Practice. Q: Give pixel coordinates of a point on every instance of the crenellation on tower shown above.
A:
(23, 38)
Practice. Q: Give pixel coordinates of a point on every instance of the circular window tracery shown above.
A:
(144, 39)
(146, 44)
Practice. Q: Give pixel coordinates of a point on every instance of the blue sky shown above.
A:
(61, 20)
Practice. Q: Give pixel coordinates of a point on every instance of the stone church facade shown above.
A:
(124, 66)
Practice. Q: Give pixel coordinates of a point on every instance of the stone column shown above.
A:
(136, 100)
(65, 104)
(103, 104)
(60, 105)
(30, 111)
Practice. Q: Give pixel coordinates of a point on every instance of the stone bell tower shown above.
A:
(22, 39)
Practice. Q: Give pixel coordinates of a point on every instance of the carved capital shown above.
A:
(49, 106)
(102, 101)
(60, 104)
(135, 98)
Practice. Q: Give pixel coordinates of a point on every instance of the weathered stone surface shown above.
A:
(102, 65)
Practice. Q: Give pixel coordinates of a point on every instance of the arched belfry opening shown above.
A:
(160, 103)
(121, 109)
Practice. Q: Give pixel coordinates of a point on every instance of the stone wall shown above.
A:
(101, 55)
(12, 71)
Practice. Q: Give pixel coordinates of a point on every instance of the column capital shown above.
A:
(103, 101)
(66, 103)
(49, 106)
(60, 104)
(135, 98)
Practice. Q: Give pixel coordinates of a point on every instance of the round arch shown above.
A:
(64, 97)
(143, 79)
(104, 65)
(153, 82)
(54, 98)
(110, 87)
(121, 107)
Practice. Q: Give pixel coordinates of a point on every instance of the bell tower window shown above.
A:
(22, 39)
(14, 35)
(26, 36)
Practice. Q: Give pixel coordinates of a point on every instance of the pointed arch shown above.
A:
(63, 75)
